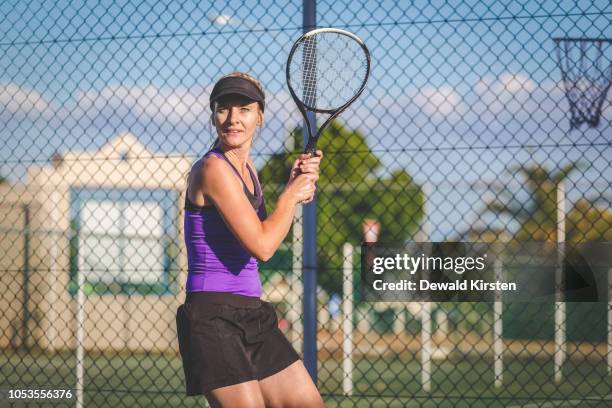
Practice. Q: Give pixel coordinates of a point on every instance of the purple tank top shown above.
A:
(217, 261)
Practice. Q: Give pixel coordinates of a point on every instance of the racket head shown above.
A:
(327, 69)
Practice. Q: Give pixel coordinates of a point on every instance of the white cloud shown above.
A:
(220, 19)
(443, 100)
(515, 83)
(507, 83)
(510, 92)
(507, 106)
(158, 104)
(24, 102)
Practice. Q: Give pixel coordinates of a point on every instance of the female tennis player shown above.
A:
(232, 349)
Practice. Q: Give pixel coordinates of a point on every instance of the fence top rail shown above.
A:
(585, 39)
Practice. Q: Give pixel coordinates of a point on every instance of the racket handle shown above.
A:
(311, 147)
(312, 153)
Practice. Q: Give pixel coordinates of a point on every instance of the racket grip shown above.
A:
(311, 147)
(311, 153)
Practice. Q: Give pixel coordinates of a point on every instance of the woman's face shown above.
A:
(236, 117)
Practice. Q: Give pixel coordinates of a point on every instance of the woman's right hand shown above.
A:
(302, 188)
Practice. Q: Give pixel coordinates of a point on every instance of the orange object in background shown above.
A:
(371, 229)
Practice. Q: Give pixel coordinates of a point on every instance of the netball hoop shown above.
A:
(586, 69)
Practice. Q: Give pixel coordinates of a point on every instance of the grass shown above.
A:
(156, 380)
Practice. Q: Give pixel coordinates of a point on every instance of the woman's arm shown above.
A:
(260, 238)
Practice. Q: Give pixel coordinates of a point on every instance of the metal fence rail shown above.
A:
(464, 132)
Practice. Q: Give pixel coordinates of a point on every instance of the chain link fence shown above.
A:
(464, 132)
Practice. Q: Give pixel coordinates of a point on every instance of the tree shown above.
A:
(537, 217)
(586, 222)
(348, 191)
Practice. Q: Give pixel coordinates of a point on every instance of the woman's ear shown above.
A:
(261, 119)
(212, 119)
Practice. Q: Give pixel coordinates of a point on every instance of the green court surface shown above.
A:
(386, 383)
(155, 380)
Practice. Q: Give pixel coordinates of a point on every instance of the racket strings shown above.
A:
(327, 70)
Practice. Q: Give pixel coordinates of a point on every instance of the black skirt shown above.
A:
(226, 339)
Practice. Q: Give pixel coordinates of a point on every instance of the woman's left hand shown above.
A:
(306, 164)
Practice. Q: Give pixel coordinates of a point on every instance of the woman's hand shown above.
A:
(302, 188)
(306, 164)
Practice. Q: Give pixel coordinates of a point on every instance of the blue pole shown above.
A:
(309, 261)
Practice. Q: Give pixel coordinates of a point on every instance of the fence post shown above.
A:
(296, 280)
(310, 240)
(56, 236)
(426, 346)
(498, 342)
(424, 236)
(609, 321)
(80, 300)
(560, 351)
(347, 323)
(399, 323)
(26, 277)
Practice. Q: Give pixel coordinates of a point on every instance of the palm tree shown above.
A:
(537, 217)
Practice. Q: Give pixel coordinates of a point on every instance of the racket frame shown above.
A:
(312, 140)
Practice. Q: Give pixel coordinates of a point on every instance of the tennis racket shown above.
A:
(327, 70)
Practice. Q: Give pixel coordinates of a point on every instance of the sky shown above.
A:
(449, 81)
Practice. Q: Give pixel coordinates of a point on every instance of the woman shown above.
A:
(230, 344)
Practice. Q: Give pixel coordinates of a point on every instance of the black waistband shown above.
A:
(223, 298)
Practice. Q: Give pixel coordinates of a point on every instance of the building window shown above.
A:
(123, 240)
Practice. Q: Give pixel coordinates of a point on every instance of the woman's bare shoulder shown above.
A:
(209, 165)
(216, 171)
(212, 164)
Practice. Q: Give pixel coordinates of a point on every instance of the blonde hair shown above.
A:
(248, 77)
